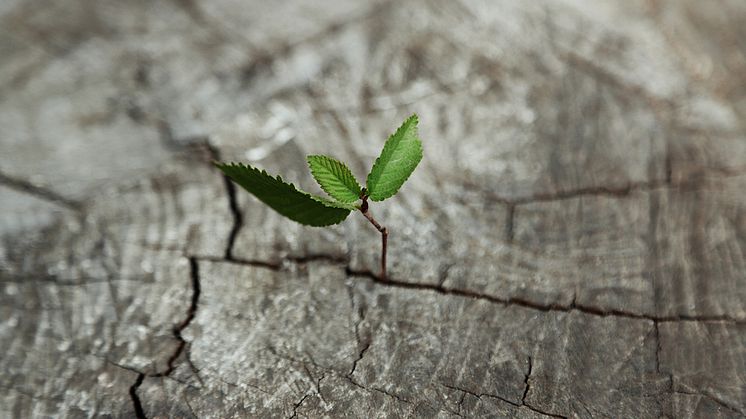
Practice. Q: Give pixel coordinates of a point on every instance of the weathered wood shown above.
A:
(570, 246)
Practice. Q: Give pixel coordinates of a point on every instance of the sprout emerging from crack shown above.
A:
(399, 157)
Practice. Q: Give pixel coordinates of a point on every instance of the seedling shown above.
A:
(399, 157)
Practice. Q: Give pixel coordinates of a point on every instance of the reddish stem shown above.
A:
(381, 229)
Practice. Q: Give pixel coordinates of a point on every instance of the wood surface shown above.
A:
(571, 246)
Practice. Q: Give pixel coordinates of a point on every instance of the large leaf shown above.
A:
(401, 154)
(335, 178)
(285, 198)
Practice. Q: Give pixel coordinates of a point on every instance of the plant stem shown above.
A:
(381, 229)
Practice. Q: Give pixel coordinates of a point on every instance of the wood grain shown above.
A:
(572, 244)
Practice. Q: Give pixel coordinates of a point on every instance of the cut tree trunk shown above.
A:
(572, 244)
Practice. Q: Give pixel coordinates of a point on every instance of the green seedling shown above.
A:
(399, 157)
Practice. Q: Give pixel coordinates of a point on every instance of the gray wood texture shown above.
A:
(571, 246)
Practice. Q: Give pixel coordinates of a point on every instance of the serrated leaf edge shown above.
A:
(419, 145)
(326, 202)
(344, 166)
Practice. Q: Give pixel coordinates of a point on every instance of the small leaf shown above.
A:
(285, 198)
(335, 178)
(401, 154)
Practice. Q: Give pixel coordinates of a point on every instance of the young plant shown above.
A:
(401, 154)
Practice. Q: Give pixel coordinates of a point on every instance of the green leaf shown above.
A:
(335, 178)
(285, 198)
(401, 154)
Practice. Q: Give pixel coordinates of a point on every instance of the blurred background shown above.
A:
(584, 174)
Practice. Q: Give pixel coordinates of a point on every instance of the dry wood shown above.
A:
(570, 246)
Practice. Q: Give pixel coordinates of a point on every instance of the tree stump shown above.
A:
(572, 244)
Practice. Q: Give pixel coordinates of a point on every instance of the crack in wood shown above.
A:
(297, 405)
(171, 363)
(136, 403)
(191, 313)
(541, 412)
(359, 358)
(338, 374)
(525, 393)
(235, 209)
(40, 192)
(511, 301)
(693, 182)
(574, 305)
(116, 364)
(525, 381)
(318, 382)
(237, 216)
(514, 301)
(53, 316)
(479, 395)
(362, 346)
(495, 396)
(523, 396)
(378, 390)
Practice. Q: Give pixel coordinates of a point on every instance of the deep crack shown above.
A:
(514, 301)
(171, 364)
(235, 209)
(139, 412)
(237, 217)
(191, 313)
